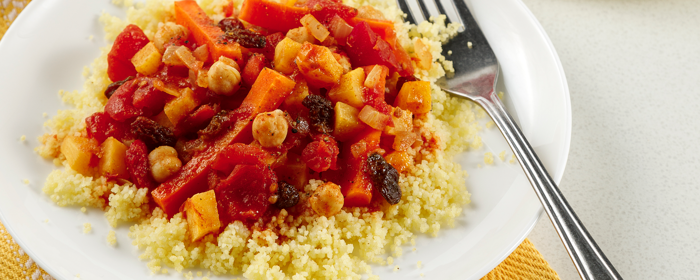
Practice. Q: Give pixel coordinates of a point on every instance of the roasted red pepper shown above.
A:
(125, 46)
(365, 48)
(137, 165)
(120, 106)
(272, 15)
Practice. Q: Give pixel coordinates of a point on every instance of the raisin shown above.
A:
(111, 88)
(229, 24)
(152, 134)
(320, 112)
(384, 177)
(287, 195)
(245, 37)
(218, 123)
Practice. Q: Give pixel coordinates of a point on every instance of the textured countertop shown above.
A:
(633, 69)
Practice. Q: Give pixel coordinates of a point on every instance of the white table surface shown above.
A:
(633, 174)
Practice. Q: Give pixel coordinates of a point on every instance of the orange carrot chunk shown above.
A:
(205, 31)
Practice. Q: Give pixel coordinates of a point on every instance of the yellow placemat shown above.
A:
(524, 263)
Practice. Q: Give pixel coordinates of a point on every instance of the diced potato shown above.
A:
(415, 97)
(79, 151)
(202, 215)
(402, 120)
(285, 53)
(347, 124)
(162, 119)
(113, 159)
(147, 60)
(318, 65)
(349, 90)
(301, 90)
(178, 108)
(315, 28)
(425, 59)
(401, 161)
(294, 171)
(300, 35)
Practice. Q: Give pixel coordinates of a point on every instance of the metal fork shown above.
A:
(476, 73)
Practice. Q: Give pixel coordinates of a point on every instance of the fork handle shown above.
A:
(590, 261)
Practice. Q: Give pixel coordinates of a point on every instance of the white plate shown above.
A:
(48, 45)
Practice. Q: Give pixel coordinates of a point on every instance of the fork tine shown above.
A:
(415, 10)
(451, 11)
(431, 7)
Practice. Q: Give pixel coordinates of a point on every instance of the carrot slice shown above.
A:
(205, 31)
(355, 185)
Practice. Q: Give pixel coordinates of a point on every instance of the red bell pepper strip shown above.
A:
(267, 93)
(272, 15)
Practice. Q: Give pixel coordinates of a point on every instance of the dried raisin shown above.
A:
(384, 177)
(320, 112)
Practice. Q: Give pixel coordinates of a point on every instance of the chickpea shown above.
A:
(164, 163)
(270, 128)
(223, 77)
(327, 199)
(169, 31)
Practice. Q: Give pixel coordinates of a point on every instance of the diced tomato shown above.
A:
(126, 45)
(120, 106)
(245, 194)
(324, 10)
(403, 59)
(240, 153)
(321, 154)
(365, 48)
(378, 26)
(252, 68)
(101, 126)
(148, 97)
(137, 165)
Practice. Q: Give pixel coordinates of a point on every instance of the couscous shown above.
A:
(315, 229)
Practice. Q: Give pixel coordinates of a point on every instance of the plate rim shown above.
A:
(32, 6)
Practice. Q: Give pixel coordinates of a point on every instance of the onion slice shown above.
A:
(374, 118)
(339, 28)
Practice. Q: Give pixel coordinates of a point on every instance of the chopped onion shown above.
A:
(188, 59)
(374, 118)
(159, 85)
(375, 75)
(425, 59)
(314, 27)
(339, 28)
(201, 53)
(404, 140)
(170, 58)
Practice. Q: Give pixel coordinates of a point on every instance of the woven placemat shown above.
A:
(524, 263)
